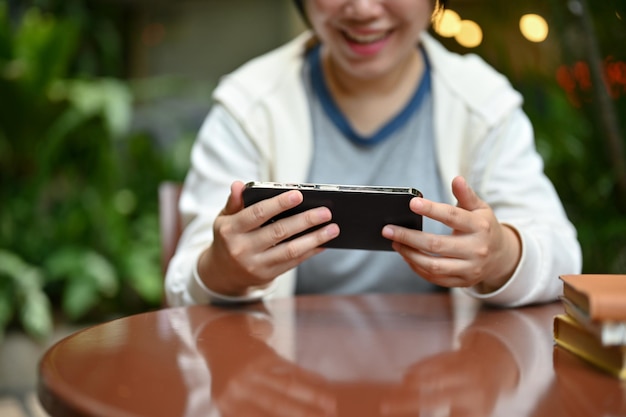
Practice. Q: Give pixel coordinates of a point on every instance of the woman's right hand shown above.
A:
(244, 254)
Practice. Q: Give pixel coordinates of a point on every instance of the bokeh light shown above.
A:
(448, 24)
(534, 27)
(470, 34)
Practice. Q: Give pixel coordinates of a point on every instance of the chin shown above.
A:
(369, 71)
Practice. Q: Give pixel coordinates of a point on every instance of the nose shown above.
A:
(363, 9)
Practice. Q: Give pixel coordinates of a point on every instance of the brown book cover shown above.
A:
(601, 296)
(573, 337)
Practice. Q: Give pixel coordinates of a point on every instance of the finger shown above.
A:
(442, 271)
(401, 404)
(269, 262)
(260, 213)
(291, 253)
(274, 233)
(235, 199)
(301, 393)
(454, 217)
(306, 389)
(250, 395)
(465, 195)
(454, 246)
(434, 367)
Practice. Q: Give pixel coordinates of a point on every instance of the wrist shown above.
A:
(215, 279)
(508, 260)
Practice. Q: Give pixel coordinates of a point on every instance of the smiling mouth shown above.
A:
(366, 39)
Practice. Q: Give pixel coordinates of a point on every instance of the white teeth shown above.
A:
(370, 38)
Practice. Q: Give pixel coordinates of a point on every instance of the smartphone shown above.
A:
(360, 211)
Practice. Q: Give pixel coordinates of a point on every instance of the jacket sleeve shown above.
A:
(222, 152)
(508, 175)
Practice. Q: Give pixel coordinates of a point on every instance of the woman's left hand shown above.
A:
(480, 251)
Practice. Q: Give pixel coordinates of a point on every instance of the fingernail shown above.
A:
(332, 230)
(387, 232)
(294, 197)
(323, 214)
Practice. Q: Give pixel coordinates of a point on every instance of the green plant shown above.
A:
(576, 162)
(583, 128)
(21, 293)
(78, 223)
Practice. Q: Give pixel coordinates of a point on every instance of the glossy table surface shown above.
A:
(372, 355)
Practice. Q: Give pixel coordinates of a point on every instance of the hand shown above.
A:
(273, 386)
(249, 378)
(244, 254)
(467, 382)
(480, 250)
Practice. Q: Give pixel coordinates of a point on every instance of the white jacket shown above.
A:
(260, 129)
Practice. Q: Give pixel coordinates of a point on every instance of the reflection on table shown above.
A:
(371, 355)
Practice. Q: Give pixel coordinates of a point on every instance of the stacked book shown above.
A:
(593, 326)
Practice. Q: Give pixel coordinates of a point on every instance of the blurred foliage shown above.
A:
(581, 125)
(574, 88)
(79, 214)
(576, 163)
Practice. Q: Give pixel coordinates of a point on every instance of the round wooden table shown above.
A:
(369, 355)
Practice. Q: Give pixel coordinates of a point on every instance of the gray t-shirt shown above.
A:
(400, 154)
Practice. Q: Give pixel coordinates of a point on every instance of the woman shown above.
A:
(368, 97)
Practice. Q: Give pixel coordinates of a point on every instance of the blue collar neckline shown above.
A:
(332, 111)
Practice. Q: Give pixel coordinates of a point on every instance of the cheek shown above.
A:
(414, 14)
(318, 12)
(322, 9)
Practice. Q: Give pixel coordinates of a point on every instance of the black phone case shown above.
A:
(361, 215)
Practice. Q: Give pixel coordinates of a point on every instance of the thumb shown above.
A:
(466, 197)
(235, 199)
